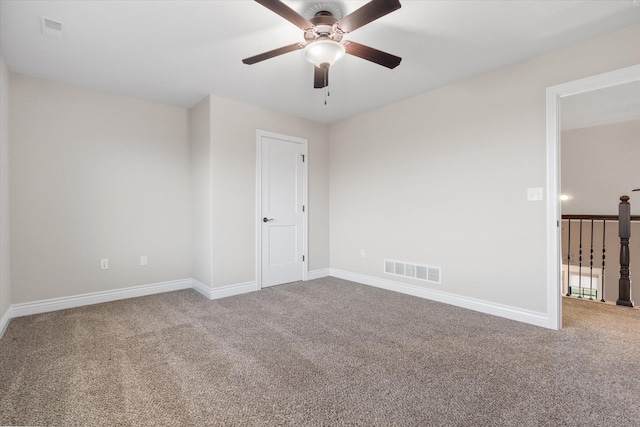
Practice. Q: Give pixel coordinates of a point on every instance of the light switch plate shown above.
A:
(534, 194)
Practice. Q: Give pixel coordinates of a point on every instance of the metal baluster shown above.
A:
(569, 258)
(580, 264)
(591, 265)
(604, 229)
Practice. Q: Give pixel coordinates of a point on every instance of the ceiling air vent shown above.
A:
(51, 27)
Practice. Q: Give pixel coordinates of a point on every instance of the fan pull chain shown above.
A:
(326, 85)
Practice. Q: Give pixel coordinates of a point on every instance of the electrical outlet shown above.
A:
(104, 263)
(143, 260)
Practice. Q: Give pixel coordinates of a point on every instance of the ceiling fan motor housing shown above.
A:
(323, 28)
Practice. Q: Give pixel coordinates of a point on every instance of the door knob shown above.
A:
(267, 219)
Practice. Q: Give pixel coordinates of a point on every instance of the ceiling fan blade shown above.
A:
(273, 53)
(369, 12)
(320, 77)
(370, 54)
(287, 13)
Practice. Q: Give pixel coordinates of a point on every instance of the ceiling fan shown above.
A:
(323, 34)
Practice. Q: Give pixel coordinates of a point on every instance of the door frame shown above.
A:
(305, 200)
(554, 238)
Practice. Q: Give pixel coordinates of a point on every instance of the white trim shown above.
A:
(554, 95)
(231, 290)
(4, 322)
(318, 274)
(211, 190)
(44, 306)
(201, 288)
(54, 304)
(305, 201)
(258, 229)
(513, 313)
(554, 308)
(305, 214)
(223, 291)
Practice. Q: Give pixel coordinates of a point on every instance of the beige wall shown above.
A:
(105, 176)
(233, 134)
(441, 179)
(5, 257)
(200, 165)
(599, 164)
(95, 175)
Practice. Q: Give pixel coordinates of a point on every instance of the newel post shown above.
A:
(624, 231)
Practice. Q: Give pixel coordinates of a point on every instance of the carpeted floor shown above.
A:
(324, 352)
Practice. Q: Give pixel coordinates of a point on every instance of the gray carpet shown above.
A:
(324, 352)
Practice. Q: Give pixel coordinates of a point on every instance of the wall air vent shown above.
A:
(414, 271)
(51, 27)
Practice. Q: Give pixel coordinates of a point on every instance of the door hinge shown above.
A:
(302, 208)
(302, 158)
(302, 258)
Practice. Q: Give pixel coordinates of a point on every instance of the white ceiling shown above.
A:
(177, 52)
(600, 107)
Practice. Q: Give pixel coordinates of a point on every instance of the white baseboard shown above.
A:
(508, 312)
(201, 288)
(44, 306)
(224, 291)
(231, 290)
(54, 304)
(318, 274)
(4, 322)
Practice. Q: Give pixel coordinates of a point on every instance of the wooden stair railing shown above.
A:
(624, 219)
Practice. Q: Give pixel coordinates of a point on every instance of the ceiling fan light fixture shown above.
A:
(323, 52)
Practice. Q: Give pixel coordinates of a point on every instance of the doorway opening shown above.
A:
(554, 96)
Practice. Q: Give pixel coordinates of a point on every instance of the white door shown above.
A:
(282, 209)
